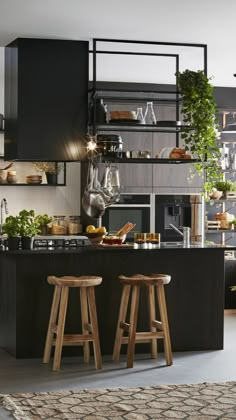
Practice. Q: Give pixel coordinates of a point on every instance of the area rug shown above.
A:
(205, 401)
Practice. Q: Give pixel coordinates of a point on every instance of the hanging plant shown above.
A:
(199, 118)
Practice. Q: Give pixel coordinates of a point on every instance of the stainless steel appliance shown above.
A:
(179, 210)
(59, 241)
(135, 208)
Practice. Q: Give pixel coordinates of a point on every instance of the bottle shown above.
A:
(100, 112)
(140, 116)
(149, 115)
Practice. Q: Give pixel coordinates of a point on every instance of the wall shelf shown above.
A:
(145, 161)
(144, 128)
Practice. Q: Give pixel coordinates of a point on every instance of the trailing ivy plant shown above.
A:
(199, 117)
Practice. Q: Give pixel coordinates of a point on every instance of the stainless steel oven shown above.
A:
(135, 208)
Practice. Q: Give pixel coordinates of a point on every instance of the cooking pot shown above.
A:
(110, 145)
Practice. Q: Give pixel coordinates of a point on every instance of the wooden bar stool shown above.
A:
(152, 282)
(88, 311)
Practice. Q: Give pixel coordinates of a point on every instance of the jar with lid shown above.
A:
(74, 225)
(59, 225)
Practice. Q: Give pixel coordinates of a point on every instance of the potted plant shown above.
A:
(43, 220)
(11, 227)
(225, 187)
(28, 227)
(200, 131)
(51, 169)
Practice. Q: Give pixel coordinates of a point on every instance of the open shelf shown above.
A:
(140, 128)
(31, 185)
(142, 160)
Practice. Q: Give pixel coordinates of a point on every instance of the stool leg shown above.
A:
(164, 320)
(52, 320)
(85, 321)
(94, 324)
(60, 329)
(152, 317)
(121, 318)
(133, 326)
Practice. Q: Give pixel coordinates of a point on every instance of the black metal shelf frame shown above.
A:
(95, 51)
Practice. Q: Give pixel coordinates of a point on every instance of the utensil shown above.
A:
(93, 203)
(7, 167)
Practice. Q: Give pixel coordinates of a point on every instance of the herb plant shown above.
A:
(28, 225)
(11, 226)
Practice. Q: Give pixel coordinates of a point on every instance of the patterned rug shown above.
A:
(202, 401)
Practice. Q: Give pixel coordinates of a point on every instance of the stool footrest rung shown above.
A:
(125, 326)
(75, 339)
(144, 337)
(157, 324)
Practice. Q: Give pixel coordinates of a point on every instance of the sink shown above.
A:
(172, 244)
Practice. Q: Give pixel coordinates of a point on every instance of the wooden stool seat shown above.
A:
(148, 280)
(158, 329)
(88, 317)
(70, 281)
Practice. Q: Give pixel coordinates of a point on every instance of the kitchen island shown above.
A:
(195, 295)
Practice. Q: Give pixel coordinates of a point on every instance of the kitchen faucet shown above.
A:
(3, 205)
(185, 234)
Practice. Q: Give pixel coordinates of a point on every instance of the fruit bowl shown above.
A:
(95, 238)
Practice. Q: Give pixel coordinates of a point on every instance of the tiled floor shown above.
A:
(189, 367)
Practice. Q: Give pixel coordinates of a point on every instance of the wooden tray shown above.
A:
(116, 246)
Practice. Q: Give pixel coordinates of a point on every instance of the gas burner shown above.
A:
(55, 242)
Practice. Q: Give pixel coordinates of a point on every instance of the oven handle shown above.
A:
(130, 205)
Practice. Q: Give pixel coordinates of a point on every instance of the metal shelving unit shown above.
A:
(141, 95)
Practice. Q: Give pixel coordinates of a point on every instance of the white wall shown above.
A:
(204, 21)
(50, 200)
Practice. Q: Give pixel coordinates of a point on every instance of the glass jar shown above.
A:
(74, 225)
(59, 225)
(149, 115)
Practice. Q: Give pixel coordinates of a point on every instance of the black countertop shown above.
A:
(114, 248)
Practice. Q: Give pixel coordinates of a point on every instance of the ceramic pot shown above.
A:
(3, 176)
(26, 242)
(13, 243)
(51, 178)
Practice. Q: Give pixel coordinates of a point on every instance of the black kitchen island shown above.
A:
(195, 295)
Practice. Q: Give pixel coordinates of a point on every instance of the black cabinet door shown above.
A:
(46, 99)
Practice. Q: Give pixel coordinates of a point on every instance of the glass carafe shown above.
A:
(149, 115)
(140, 116)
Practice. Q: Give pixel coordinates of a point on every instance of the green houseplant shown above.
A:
(11, 227)
(199, 117)
(28, 227)
(43, 220)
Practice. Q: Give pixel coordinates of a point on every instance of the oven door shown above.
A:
(117, 216)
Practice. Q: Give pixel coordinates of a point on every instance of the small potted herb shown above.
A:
(28, 227)
(225, 187)
(43, 220)
(11, 227)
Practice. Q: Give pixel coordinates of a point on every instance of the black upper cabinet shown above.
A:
(46, 99)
